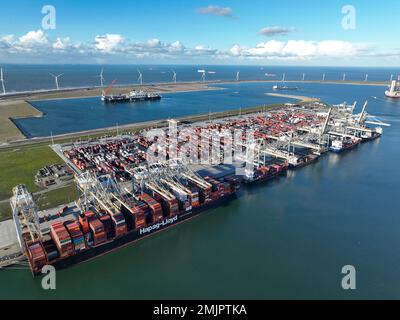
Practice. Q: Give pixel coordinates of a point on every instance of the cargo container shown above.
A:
(36, 255)
(119, 224)
(76, 234)
(61, 239)
(98, 232)
(155, 208)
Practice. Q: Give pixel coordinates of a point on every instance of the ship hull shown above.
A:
(129, 99)
(340, 150)
(134, 236)
(266, 178)
(392, 95)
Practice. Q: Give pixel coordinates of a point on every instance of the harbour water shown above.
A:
(36, 77)
(286, 239)
(72, 115)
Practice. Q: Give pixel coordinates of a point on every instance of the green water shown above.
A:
(285, 239)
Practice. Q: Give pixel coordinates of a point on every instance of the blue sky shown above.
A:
(214, 32)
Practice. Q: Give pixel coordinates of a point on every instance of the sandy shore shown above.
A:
(16, 106)
(14, 109)
(290, 96)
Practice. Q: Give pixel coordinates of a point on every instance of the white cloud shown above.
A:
(33, 38)
(236, 50)
(62, 44)
(275, 31)
(301, 49)
(216, 11)
(108, 42)
(154, 43)
(113, 47)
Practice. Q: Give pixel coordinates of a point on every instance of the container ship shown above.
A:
(394, 89)
(340, 145)
(124, 198)
(266, 172)
(133, 96)
(284, 88)
(107, 223)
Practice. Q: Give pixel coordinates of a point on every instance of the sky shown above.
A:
(337, 33)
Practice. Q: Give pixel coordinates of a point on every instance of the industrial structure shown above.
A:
(124, 196)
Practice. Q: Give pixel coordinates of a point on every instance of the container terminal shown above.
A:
(124, 197)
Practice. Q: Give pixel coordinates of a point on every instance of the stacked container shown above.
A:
(97, 230)
(119, 224)
(107, 222)
(76, 234)
(62, 239)
(218, 188)
(134, 216)
(36, 255)
(155, 207)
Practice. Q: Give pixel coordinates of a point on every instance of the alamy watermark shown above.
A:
(49, 21)
(49, 280)
(349, 280)
(349, 20)
(205, 146)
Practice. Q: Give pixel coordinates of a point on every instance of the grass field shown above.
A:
(57, 197)
(5, 211)
(48, 200)
(19, 166)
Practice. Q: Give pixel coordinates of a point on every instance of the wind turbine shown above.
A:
(174, 76)
(344, 77)
(56, 79)
(238, 76)
(366, 77)
(140, 79)
(323, 77)
(304, 76)
(283, 77)
(203, 74)
(101, 78)
(2, 81)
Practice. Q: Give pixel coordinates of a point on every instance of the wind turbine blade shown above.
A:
(60, 75)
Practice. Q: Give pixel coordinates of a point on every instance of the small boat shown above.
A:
(284, 88)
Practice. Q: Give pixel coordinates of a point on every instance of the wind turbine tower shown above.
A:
(174, 76)
(203, 76)
(56, 79)
(2, 81)
(238, 76)
(101, 78)
(140, 79)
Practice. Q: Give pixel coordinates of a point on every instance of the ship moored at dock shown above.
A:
(124, 198)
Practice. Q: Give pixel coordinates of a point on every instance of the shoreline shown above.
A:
(93, 133)
(161, 86)
(16, 133)
(295, 97)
